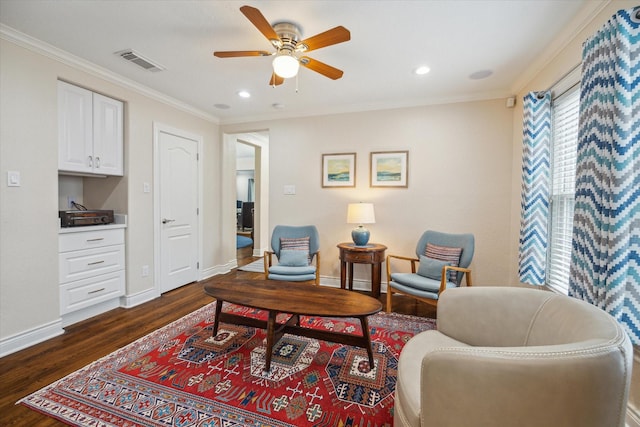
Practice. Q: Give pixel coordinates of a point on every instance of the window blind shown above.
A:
(565, 110)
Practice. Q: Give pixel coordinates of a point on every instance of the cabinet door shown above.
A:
(107, 136)
(75, 128)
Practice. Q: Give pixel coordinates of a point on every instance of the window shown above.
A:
(564, 146)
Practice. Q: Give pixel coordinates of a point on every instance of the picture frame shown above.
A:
(339, 170)
(389, 169)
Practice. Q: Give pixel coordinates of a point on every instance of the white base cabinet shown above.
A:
(91, 271)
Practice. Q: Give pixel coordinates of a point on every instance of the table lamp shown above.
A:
(360, 213)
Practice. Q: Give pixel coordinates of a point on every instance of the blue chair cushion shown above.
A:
(419, 283)
(293, 258)
(292, 271)
(414, 291)
(288, 278)
(431, 268)
(414, 284)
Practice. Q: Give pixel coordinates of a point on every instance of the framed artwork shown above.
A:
(389, 169)
(339, 170)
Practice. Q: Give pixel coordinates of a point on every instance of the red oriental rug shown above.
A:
(180, 376)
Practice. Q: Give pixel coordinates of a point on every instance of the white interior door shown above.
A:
(178, 209)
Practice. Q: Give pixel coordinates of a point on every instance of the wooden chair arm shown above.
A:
(317, 256)
(402, 258)
(267, 262)
(445, 271)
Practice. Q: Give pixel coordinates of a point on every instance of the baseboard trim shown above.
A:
(30, 337)
(130, 301)
(89, 312)
(358, 284)
(52, 329)
(218, 269)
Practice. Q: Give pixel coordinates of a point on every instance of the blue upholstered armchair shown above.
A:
(442, 260)
(297, 251)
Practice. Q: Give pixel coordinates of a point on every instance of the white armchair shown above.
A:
(505, 356)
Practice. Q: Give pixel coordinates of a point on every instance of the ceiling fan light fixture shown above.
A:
(285, 65)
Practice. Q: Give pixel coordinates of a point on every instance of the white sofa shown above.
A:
(505, 356)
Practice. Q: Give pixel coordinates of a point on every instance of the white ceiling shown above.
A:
(389, 39)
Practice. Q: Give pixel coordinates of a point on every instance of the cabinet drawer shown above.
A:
(360, 257)
(84, 293)
(78, 265)
(90, 239)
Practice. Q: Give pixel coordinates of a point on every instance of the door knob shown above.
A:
(165, 220)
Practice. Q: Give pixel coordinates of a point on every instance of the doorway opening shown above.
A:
(250, 190)
(245, 198)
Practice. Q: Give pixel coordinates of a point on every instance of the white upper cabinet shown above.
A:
(90, 132)
(107, 135)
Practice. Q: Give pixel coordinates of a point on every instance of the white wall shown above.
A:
(459, 178)
(28, 218)
(29, 299)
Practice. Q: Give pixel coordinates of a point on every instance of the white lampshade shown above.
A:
(285, 65)
(360, 213)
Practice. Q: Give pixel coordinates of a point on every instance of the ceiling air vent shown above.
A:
(139, 60)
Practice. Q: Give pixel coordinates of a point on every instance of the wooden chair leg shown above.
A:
(389, 294)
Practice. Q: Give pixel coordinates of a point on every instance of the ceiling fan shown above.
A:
(290, 50)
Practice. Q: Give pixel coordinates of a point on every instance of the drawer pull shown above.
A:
(96, 291)
(95, 240)
(96, 262)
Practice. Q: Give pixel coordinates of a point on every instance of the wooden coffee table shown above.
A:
(296, 299)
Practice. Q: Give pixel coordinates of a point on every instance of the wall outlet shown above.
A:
(70, 201)
(145, 270)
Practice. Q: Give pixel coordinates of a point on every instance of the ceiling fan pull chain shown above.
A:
(297, 83)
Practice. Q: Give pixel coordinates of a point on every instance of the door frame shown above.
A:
(159, 128)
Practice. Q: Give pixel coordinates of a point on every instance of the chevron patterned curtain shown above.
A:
(605, 259)
(534, 205)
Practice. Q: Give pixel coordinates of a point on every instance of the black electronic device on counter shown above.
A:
(80, 218)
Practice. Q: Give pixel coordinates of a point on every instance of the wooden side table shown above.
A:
(373, 254)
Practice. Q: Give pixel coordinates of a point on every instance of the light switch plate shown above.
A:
(13, 179)
(289, 189)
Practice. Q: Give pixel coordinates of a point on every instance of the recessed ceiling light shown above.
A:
(244, 94)
(479, 75)
(422, 70)
(222, 106)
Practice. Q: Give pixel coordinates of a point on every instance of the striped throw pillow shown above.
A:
(295, 244)
(448, 254)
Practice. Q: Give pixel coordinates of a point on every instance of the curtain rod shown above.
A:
(562, 77)
(540, 94)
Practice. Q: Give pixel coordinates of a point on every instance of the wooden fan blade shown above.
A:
(260, 22)
(333, 36)
(238, 53)
(321, 67)
(275, 80)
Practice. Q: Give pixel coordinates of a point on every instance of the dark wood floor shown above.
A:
(28, 370)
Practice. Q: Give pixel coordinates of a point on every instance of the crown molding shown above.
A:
(34, 45)
(366, 107)
(586, 15)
